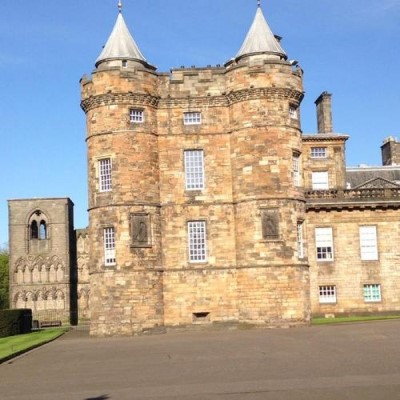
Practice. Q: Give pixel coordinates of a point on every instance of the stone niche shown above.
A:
(270, 224)
(140, 230)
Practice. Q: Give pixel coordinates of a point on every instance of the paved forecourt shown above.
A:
(357, 361)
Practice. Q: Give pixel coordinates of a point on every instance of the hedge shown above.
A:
(15, 322)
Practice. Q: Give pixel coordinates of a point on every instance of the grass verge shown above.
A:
(13, 346)
(338, 320)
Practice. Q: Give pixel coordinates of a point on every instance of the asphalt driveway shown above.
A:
(357, 361)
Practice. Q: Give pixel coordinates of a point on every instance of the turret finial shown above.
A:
(119, 5)
(258, 3)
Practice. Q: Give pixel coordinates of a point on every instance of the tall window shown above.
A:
(320, 180)
(327, 294)
(194, 169)
(324, 244)
(34, 230)
(372, 293)
(42, 230)
(105, 179)
(109, 246)
(197, 241)
(37, 226)
(296, 169)
(368, 243)
(300, 239)
(192, 118)
(136, 116)
(318, 152)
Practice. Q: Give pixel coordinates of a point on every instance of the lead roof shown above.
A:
(260, 39)
(120, 45)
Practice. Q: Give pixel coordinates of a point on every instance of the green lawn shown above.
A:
(324, 321)
(13, 345)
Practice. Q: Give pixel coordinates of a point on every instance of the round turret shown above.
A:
(265, 92)
(124, 203)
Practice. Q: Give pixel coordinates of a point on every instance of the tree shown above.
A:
(4, 257)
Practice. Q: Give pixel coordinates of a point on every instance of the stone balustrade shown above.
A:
(368, 195)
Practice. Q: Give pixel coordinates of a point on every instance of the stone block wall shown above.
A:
(347, 271)
(248, 138)
(126, 302)
(83, 286)
(200, 296)
(277, 296)
(42, 257)
(334, 163)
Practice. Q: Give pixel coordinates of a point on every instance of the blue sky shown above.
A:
(347, 47)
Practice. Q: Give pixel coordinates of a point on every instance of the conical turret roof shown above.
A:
(120, 45)
(260, 39)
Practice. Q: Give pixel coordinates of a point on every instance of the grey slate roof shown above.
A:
(120, 45)
(260, 39)
(368, 176)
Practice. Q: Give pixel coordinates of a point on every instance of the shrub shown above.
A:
(15, 322)
(3, 279)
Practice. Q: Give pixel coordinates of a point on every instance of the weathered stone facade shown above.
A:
(347, 271)
(247, 139)
(208, 205)
(43, 258)
(352, 229)
(83, 283)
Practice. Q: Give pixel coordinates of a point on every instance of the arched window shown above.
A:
(38, 226)
(34, 230)
(42, 230)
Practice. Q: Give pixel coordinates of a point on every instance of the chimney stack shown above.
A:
(324, 113)
(390, 151)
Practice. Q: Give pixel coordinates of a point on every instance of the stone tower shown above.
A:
(120, 104)
(196, 201)
(264, 95)
(42, 258)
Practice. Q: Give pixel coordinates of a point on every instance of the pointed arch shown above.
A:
(59, 300)
(30, 300)
(41, 300)
(19, 300)
(38, 222)
(20, 264)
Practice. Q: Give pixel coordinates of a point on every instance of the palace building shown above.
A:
(208, 205)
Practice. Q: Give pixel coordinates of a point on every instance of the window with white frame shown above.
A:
(318, 152)
(194, 169)
(105, 178)
(136, 116)
(197, 241)
(319, 180)
(372, 293)
(327, 294)
(368, 243)
(109, 246)
(192, 118)
(296, 169)
(293, 112)
(324, 244)
(300, 239)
